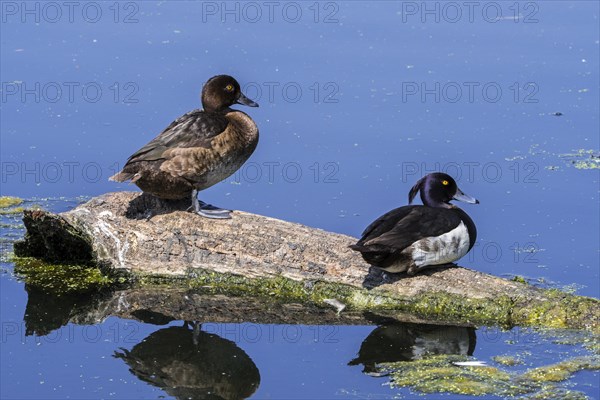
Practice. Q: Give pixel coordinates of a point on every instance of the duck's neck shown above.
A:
(244, 124)
(431, 202)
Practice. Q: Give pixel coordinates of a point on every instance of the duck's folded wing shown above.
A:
(403, 229)
(194, 129)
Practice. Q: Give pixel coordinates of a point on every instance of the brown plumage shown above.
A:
(198, 149)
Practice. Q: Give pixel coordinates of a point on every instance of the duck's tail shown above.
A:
(374, 254)
(122, 177)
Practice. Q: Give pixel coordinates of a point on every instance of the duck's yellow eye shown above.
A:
(445, 182)
(229, 88)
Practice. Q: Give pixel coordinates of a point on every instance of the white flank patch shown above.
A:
(443, 249)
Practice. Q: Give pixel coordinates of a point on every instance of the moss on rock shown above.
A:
(438, 305)
(554, 309)
(560, 310)
(60, 279)
(520, 279)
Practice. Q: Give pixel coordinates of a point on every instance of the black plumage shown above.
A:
(391, 241)
(404, 341)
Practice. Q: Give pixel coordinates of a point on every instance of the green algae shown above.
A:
(9, 201)
(520, 279)
(60, 279)
(11, 211)
(553, 309)
(9, 205)
(588, 340)
(435, 374)
(553, 393)
(289, 290)
(587, 164)
(510, 361)
(440, 374)
(563, 370)
(583, 159)
(12, 206)
(497, 311)
(558, 310)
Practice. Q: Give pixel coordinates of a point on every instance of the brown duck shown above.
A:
(198, 149)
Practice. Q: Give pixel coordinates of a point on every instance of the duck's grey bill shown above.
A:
(460, 196)
(246, 101)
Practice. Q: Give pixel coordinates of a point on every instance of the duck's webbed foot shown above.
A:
(208, 210)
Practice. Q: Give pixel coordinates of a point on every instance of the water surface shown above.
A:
(357, 101)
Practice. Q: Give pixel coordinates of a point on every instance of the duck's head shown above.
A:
(437, 189)
(221, 92)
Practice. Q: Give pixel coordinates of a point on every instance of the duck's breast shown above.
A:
(206, 166)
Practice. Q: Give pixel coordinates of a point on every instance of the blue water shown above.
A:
(357, 101)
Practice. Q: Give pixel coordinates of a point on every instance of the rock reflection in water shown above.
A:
(45, 313)
(403, 341)
(188, 363)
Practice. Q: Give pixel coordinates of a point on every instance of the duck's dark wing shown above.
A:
(393, 232)
(386, 222)
(405, 225)
(194, 129)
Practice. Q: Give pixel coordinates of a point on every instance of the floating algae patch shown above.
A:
(440, 374)
(563, 370)
(588, 340)
(9, 201)
(583, 159)
(508, 360)
(8, 205)
(13, 206)
(10, 211)
(60, 279)
(552, 393)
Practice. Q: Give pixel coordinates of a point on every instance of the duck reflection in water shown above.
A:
(402, 341)
(188, 363)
